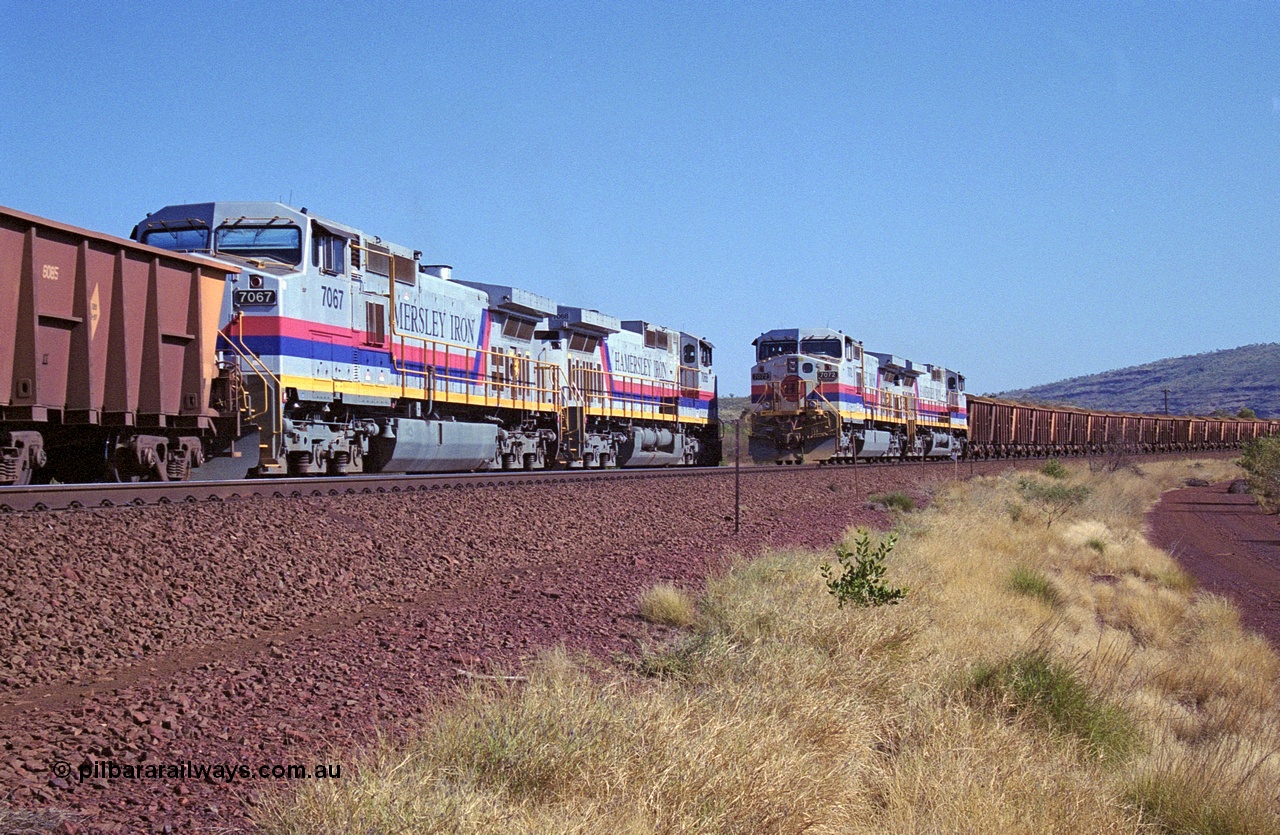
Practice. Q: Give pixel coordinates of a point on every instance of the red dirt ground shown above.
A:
(1229, 545)
(287, 631)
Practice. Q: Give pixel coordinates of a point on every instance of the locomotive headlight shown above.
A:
(255, 282)
(791, 365)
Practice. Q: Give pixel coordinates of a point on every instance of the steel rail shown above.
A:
(49, 497)
(61, 497)
(99, 495)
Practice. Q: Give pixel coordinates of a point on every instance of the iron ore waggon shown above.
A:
(288, 343)
(1002, 429)
(817, 395)
(108, 366)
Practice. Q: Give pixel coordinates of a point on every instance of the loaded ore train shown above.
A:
(298, 345)
(264, 337)
(818, 396)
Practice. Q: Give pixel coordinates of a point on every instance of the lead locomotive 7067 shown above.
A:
(328, 349)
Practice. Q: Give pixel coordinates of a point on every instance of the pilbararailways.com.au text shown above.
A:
(214, 772)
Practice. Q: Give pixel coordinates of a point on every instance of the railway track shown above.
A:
(62, 497)
(49, 497)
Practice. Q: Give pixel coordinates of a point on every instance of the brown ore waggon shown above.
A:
(108, 363)
(1003, 429)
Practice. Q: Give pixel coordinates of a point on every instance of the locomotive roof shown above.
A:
(225, 212)
(890, 361)
(638, 326)
(801, 333)
(586, 320)
(514, 300)
(896, 363)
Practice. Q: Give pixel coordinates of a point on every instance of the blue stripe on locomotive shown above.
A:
(292, 347)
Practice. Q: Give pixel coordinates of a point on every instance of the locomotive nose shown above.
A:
(784, 383)
(799, 381)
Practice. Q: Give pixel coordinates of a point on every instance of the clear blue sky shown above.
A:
(1023, 192)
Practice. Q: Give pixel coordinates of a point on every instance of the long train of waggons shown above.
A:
(817, 395)
(285, 343)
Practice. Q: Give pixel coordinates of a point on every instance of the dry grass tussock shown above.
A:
(1122, 702)
(666, 604)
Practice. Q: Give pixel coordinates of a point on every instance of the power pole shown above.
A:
(737, 474)
(1166, 400)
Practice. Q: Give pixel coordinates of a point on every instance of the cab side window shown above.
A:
(328, 252)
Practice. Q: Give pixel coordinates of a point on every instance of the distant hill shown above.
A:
(1198, 384)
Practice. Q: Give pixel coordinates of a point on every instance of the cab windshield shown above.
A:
(279, 243)
(187, 239)
(776, 349)
(822, 348)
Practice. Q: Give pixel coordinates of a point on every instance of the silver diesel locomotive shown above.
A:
(817, 395)
(357, 358)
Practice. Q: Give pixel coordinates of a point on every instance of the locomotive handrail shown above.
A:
(256, 366)
(646, 403)
(530, 393)
(271, 390)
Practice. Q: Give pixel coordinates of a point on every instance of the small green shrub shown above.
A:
(1047, 691)
(1052, 499)
(894, 501)
(1034, 583)
(1261, 460)
(1097, 545)
(1054, 468)
(861, 578)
